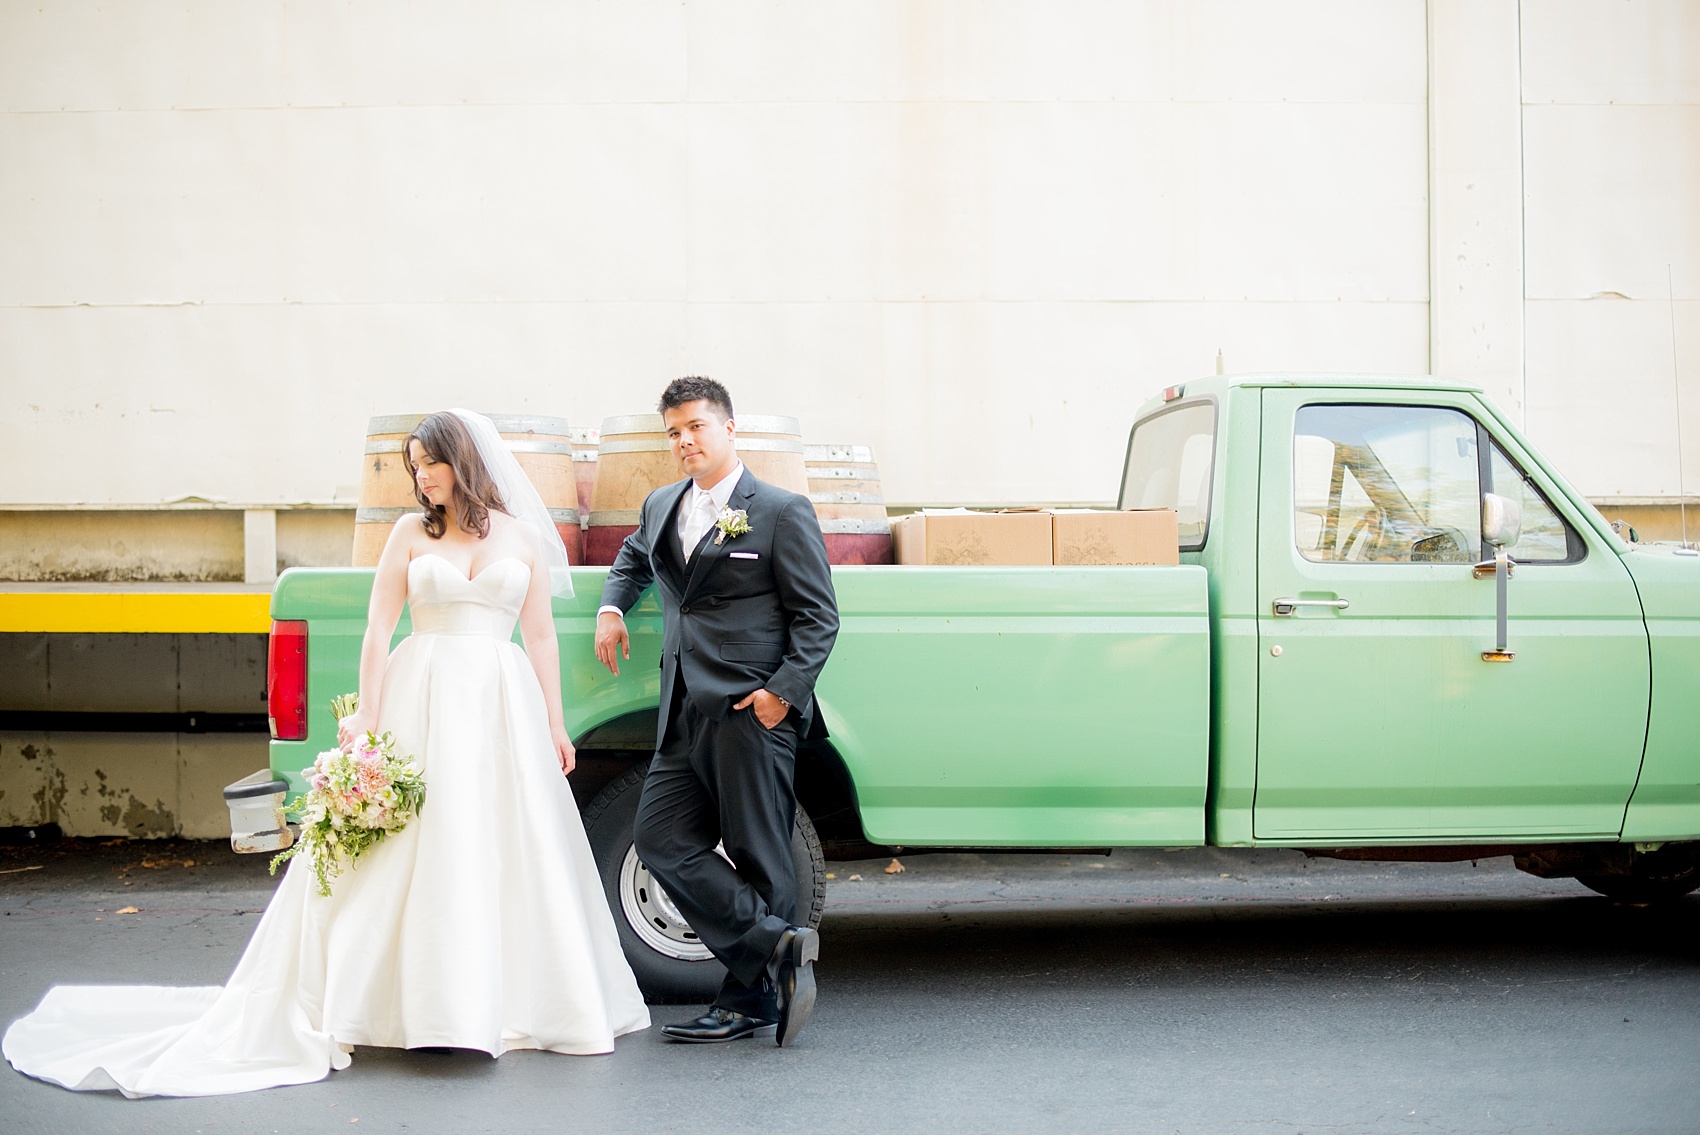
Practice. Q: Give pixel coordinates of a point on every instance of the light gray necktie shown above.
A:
(699, 522)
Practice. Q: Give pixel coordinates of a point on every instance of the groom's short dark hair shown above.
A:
(694, 389)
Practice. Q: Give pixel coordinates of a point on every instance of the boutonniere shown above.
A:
(733, 522)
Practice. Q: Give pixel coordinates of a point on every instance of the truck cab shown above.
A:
(1360, 695)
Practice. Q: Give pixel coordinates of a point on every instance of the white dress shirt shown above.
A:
(690, 524)
(701, 503)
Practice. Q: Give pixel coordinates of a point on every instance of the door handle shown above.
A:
(1284, 608)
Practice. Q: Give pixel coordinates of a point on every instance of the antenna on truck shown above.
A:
(1676, 391)
(1221, 368)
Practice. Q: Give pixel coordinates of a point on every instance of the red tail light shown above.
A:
(286, 680)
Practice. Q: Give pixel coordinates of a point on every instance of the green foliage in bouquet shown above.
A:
(354, 799)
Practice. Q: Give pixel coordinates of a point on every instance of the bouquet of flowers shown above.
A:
(354, 799)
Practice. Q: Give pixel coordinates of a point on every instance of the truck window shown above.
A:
(1545, 537)
(1386, 484)
(1169, 459)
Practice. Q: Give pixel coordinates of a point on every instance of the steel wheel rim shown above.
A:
(650, 912)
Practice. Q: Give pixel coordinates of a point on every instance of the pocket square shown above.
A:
(745, 555)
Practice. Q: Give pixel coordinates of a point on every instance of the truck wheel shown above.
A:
(670, 963)
(1656, 876)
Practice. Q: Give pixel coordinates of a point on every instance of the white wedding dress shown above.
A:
(482, 925)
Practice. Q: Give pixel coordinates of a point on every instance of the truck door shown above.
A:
(1378, 716)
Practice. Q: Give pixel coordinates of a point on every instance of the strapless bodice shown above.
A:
(443, 601)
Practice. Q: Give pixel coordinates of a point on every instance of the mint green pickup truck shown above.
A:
(1395, 632)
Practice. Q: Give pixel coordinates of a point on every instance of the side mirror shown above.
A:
(1502, 520)
(1502, 524)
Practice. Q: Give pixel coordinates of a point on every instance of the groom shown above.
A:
(748, 617)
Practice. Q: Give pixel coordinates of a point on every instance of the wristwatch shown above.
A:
(782, 701)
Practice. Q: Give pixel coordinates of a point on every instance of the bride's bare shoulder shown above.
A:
(504, 527)
(515, 534)
(408, 537)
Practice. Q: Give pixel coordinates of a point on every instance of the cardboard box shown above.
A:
(960, 537)
(1136, 536)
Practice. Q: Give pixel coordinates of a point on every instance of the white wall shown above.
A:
(974, 235)
(1612, 154)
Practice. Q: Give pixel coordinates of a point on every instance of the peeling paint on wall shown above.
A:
(146, 786)
(50, 797)
(96, 783)
(144, 822)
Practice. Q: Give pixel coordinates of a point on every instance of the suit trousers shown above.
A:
(728, 782)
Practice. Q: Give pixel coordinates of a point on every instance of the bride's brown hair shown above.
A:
(445, 438)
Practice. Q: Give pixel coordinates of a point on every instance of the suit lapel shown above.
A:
(671, 556)
(708, 552)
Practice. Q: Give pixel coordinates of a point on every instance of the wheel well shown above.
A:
(826, 790)
(1607, 860)
(607, 750)
(634, 730)
(824, 787)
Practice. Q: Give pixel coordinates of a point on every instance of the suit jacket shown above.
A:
(752, 611)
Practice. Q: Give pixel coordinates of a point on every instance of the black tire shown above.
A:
(1641, 891)
(670, 966)
(1655, 876)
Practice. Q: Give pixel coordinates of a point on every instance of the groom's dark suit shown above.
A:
(752, 611)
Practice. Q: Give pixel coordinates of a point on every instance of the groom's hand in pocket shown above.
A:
(612, 641)
(770, 708)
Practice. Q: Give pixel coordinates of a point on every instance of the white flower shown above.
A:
(733, 522)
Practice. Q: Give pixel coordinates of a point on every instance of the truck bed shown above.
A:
(971, 706)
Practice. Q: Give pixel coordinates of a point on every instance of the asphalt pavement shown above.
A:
(1207, 991)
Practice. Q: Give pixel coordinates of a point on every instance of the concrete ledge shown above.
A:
(195, 542)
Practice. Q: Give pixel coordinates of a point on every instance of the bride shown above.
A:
(481, 925)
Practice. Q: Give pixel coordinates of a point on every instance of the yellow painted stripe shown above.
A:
(135, 612)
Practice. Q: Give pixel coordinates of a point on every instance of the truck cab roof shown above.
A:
(1216, 385)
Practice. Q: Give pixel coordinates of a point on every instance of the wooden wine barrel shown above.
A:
(541, 444)
(634, 459)
(844, 483)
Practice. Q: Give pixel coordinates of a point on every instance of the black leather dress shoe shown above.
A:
(718, 1025)
(794, 979)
